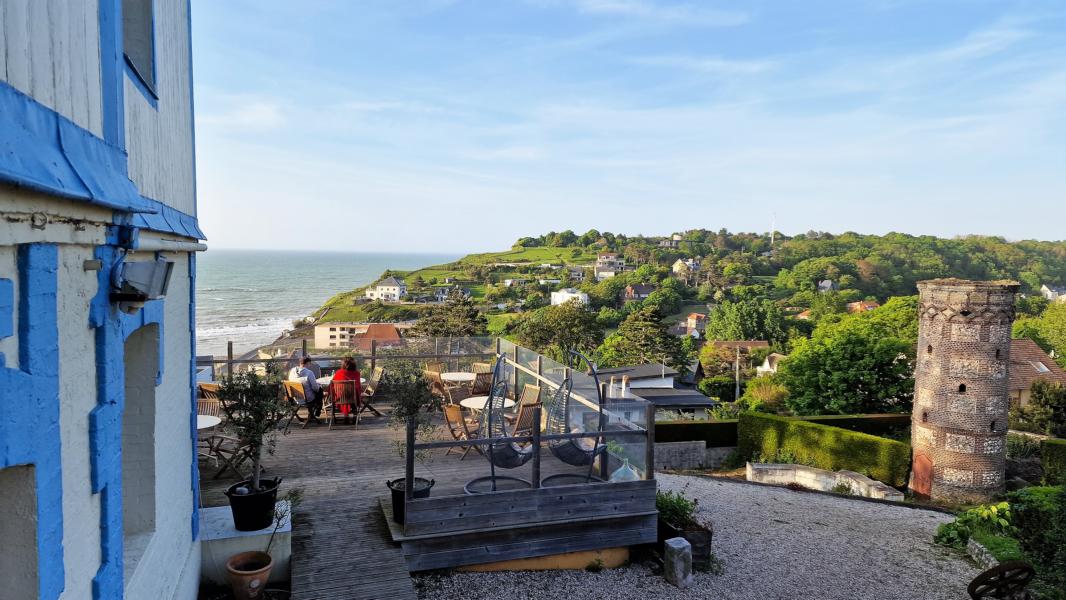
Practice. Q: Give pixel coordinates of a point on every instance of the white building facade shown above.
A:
(568, 294)
(389, 289)
(98, 441)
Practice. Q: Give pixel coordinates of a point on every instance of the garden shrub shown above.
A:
(676, 509)
(989, 520)
(1040, 527)
(1053, 459)
(1022, 446)
(824, 447)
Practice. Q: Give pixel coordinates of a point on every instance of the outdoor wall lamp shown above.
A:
(135, 283)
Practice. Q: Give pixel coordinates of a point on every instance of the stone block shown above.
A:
(677, 562)
(680, 455)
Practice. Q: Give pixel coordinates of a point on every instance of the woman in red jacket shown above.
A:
(349, 371)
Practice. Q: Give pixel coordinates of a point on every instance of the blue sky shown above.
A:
(453, 126)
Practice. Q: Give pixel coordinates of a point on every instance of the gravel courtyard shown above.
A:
(773, 543)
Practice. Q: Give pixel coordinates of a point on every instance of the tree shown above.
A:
(555, 330)
(642, 338)
(457, 317)
(1046, 411)
(847, 372)
(747, 320)
(1048, 330)
(765, 394)
(716, 360)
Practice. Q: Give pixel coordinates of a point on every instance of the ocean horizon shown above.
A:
(250, 296)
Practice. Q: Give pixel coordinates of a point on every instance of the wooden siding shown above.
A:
(160, 140)
(50, 50)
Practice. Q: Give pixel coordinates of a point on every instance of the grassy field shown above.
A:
(342, 306)
(498, 322)
(682, 314)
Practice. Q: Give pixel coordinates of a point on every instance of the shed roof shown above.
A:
(1029, 363)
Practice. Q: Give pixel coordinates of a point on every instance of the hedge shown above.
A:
(824, 446)
(1053, 457)
(723, 434)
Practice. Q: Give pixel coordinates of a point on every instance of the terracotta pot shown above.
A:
(248, 573)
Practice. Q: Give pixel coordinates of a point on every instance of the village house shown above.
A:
(549, 281)
(1029, 363)
(98, 252)
(696, 323)
(672, 242)
(770, 364)
(828, 285)
(389, 289)
(636, 293)
(862, 306)
(684, 267)
(337, 335)
(1054, 293)
(568, 294)
(608, 264)
(377, 335)
(441, 294)
(577, 274)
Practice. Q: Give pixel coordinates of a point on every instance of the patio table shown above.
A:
(328, 379)
(206, 422)
(457, 377)
(477, 403)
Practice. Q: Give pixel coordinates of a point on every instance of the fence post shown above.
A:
(514, 373)
(536, 446)
(373, 355)
(409, 472)
(229, 361)
(303, 346)
(540, 372)
(649, 456)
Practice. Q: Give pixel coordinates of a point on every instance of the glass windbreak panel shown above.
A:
(627, 415)
(527, 358)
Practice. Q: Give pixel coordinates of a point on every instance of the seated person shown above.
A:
(312, 391)
(349, 371)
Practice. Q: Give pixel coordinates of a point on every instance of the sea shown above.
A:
(250, 296)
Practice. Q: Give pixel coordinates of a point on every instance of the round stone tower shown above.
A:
(959, 423)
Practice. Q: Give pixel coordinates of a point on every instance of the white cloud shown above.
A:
(246, 116)
(691, 14)
(710, 64)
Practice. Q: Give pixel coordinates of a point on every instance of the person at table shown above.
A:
(349, 371)
(312, 391)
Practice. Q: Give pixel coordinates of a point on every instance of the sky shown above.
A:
(460, 126)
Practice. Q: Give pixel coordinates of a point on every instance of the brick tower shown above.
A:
(959, 423)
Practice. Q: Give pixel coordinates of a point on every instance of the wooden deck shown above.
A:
(341, 544)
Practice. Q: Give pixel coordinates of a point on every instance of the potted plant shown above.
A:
(254, 405)
(411, 394)
(677, 518)
(248, 572)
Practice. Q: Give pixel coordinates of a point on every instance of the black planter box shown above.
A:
(699, 537)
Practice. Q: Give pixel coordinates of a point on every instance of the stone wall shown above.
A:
(821, 479)
(679, 456)
(959, 420)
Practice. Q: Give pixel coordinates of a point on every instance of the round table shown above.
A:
(206, 422)
(328, 379)
(457, 377)
(477, 403)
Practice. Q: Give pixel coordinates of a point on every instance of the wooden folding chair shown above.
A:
(461, 428)
(342, 393)
(481, 367)
(294, 393)
(230, 451)
(481, 384)
(523, 424)
(435, 366)
(530, 395)
(370, 392)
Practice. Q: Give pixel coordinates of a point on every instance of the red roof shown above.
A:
(385, 334)
(1029, 362)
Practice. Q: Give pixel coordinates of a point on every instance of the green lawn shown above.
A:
(682, 314)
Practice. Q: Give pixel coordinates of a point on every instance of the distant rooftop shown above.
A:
(648, 371)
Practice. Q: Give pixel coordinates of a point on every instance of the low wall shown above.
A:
(821, 479)
(681, 456)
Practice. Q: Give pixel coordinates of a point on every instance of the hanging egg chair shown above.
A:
(503, 455)
(578, 452)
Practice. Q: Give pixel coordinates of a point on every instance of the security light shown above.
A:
(139, 282)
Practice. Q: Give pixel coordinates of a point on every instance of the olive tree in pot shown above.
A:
(411, 395)
(248, 572)
(254, 405)
(677, 518)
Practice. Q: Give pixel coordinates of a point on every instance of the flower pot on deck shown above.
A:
(248, 572)
(399, 494)
(253, 510)
(699, 536)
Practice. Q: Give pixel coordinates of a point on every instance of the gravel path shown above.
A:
(774, 544)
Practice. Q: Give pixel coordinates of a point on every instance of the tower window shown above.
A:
(929, 349)
(965, 313)
(997, 353)
(992, 427)
(138, 40)
(962, 388)
(925, 417)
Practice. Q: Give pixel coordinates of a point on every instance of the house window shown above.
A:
(138, 40)
(332, 337)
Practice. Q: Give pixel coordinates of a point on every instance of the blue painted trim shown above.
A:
(7, 309)
(113, 327)
(29, 401)
(168, 220)
(138, 81)
(42, 150)
(112, 94)
(194, 474)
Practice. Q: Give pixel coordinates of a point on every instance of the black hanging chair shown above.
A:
(505, 455)
(572, 451)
